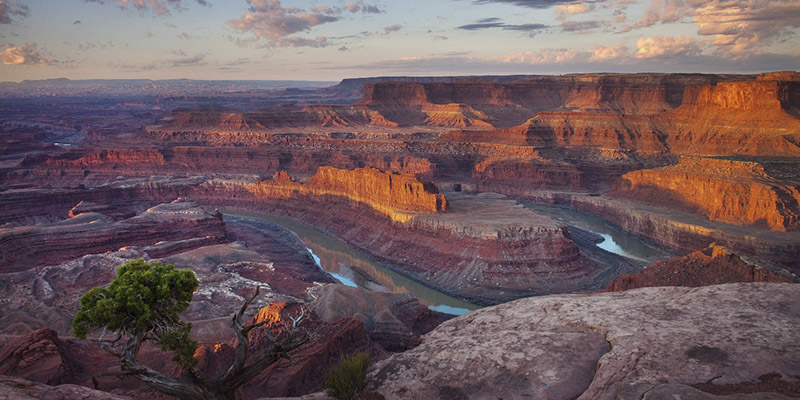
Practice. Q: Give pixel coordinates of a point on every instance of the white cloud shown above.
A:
(740, 26)
(269, 20)
(564, 10)
(735, 26)
(545, 56)
(666, 47)
(608, 53)
(24, 55)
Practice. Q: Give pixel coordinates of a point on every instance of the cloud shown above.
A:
(662, 11)
(10, 9)
(319, 41)
(608, 53)
(158, 7)
(182, 61)
(615, 58)
(735, 26)
(564, 10)
(324, 10)
(666, 47)
(741, 26)
(268, 20)
(392, 28)
(356, 6)
(496, 23)
(198, 59)
(545, 56)
(539, 4)
(580, 26)
(25, 55)
(95, 45)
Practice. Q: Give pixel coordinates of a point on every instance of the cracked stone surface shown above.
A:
(649, 343)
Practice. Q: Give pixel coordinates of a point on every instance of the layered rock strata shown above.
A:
(31, 246)
(485, 248)
(729, 191)
(606, 346)
(711, 266)
(684, 231)
(395, 195)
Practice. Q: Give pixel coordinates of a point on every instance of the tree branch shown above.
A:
(187, 387)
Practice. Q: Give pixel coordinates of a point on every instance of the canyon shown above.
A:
(472, 187)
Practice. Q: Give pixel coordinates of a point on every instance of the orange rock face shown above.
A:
(729, 191)
(368, 185)
(711, 266)
(389, 193)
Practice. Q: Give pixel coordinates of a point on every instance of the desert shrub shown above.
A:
(347, 380)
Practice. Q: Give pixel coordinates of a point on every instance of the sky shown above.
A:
(328, 40)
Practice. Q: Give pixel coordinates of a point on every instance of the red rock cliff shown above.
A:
(401, 192)
(730, 191)
(389, 193)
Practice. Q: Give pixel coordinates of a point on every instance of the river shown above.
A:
(615, 240)
(352, 268)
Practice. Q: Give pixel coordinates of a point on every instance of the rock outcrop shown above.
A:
(85, 233)
(393, 320)
(21, 389)
(626, 345)
(734, 192)
(304, 373)
(395, 195)
(40, 356)
(711, 266)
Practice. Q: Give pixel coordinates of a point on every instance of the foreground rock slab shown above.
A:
(651, 342)
(20, 389)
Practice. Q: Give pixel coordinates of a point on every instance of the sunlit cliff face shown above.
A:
(270, 313)
(396, 195)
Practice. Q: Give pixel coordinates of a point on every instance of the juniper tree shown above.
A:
(143, 304)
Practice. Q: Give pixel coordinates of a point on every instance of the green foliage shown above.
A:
(144, 300)
(347, 380)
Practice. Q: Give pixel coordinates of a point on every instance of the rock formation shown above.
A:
(710, 266)
(21, 389)
(85, 233)
(393, 320)
(730, 191)
(602, 346)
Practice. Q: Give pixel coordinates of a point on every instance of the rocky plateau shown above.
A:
(443, 183)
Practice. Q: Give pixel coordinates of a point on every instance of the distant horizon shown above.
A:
(391, 76)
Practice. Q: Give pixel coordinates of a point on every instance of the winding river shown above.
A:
(352, 268)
